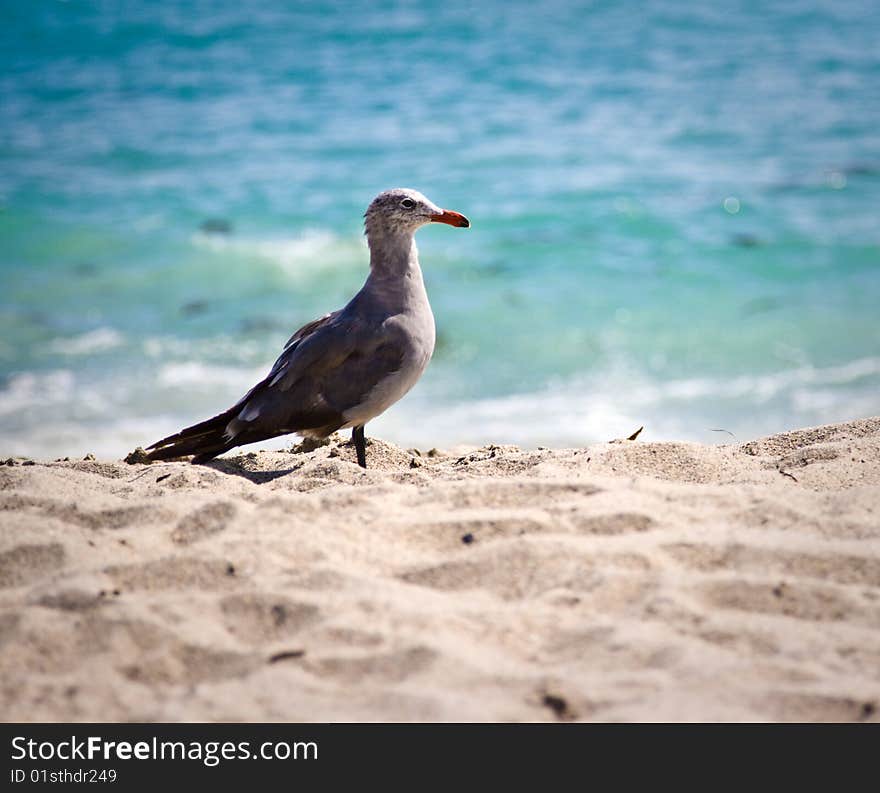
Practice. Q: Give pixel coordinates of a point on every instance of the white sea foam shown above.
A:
(59, 412)
(314, 249)
(757, 388)
(601, 407)
(228, 348)
(207, 376)
(110, 440)
(88, 343)
(27, 390)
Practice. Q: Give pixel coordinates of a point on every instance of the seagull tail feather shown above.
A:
(205, 440)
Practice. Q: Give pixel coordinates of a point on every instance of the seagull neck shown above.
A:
(393, 256)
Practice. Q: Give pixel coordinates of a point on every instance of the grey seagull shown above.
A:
(349, 366)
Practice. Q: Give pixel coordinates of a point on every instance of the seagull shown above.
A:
(349, 366)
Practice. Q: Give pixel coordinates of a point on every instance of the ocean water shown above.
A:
(675, 211)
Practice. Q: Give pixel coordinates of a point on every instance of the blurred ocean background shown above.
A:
(674, 208)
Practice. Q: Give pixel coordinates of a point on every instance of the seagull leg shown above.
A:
(360, 445)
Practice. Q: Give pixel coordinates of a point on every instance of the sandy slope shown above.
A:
(624, 581)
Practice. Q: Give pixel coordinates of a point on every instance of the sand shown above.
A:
(626, 581)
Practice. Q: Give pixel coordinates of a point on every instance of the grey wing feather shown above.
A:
(311, 327)
(328, 366)
(283, 359)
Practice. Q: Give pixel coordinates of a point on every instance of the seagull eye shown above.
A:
(407, 203)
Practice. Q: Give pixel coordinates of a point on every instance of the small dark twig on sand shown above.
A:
(286, 655)
(727, 431)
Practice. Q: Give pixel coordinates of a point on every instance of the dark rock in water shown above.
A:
(789, 186)
(497, 267)
(759, 305)
(138, 456)
(194, 307)
(861, 169)
(40, 318)
(745, 240)
(85, 268)
(216, 226)
(261, 325)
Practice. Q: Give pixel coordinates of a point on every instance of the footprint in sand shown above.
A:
(801, 458)
(805, 707)
(452, 533)
(836, 568)
(259, 618)
(203, 522)
(54, 642)
(618, 523)
(175, 573)
(179, 662)
(111, 518)
(74, 599)
(517, 570)
(8, 625)
(516, 493)
(383, 668)
(798, 601)
(26, 563)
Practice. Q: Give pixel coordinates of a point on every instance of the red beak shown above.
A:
(451, 218)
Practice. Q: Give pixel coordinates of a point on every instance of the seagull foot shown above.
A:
(360, 445)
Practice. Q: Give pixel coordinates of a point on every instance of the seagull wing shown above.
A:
(327, 367)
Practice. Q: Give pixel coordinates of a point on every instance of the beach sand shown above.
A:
(625, 581)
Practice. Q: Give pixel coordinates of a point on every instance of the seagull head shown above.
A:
(402, 210)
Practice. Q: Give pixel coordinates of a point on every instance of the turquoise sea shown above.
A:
(675, 211)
